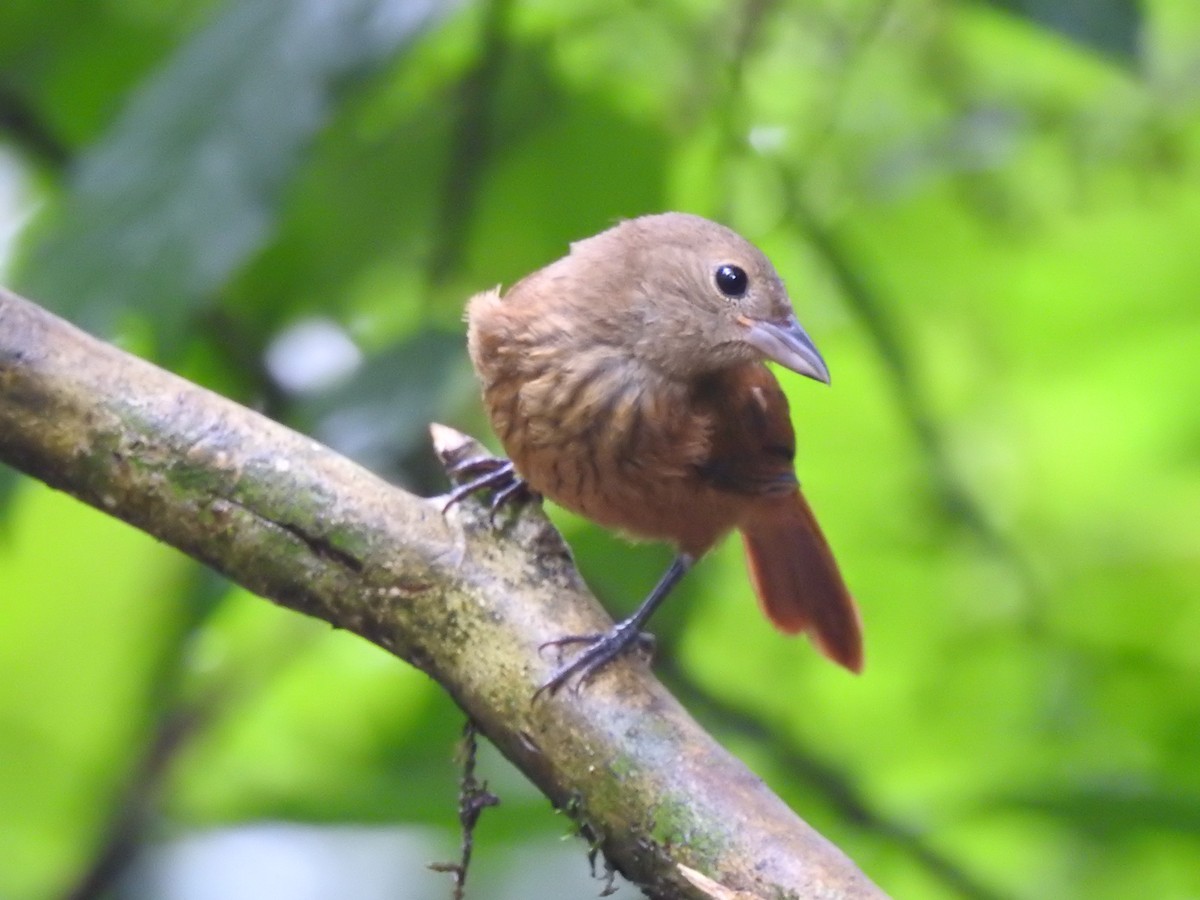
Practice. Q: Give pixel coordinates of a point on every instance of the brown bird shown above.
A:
(626, 382)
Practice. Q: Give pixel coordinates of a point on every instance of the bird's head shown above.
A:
(703, 297)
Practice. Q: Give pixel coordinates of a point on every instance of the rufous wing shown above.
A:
(797, 580)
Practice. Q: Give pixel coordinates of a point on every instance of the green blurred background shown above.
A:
(988, 215)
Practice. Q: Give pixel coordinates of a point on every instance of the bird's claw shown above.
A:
(601, 649)
(488, 473)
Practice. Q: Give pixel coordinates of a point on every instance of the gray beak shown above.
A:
(786, 343)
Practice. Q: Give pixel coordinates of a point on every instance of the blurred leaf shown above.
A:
(65, 67)
(1110, 26)
(185, 186)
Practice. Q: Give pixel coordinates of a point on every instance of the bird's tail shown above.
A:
(797, 580)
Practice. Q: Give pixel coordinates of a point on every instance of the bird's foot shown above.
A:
(488, 473)
(598, 652)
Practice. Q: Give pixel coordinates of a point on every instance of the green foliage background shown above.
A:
(988, 216)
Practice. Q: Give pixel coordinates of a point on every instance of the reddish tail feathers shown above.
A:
(797, 580)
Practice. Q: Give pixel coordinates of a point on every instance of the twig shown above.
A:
(473, 799)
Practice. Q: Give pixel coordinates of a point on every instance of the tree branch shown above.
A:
(468, 604)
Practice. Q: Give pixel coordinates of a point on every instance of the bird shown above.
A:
(627, 382)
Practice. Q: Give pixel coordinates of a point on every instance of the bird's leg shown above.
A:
(602, 649)
(489, 473)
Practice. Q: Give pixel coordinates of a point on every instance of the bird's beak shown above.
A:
(786, 343)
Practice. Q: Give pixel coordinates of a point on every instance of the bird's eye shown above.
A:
(732, 281)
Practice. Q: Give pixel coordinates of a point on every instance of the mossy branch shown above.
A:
(466, 603)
